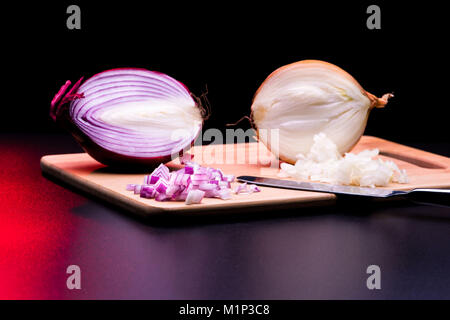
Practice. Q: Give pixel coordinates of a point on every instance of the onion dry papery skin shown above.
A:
(308, 97)
(129, 116)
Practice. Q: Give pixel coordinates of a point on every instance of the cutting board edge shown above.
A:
(128, 204)
(437, 158)
(90, 188)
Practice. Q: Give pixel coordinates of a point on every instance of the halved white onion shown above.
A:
(306, 98)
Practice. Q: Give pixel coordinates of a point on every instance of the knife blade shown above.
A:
(336, 189)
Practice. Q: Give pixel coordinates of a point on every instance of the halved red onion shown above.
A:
(129, 116)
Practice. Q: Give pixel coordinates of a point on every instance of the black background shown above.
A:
(231, 47)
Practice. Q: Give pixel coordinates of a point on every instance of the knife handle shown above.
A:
(430, 196)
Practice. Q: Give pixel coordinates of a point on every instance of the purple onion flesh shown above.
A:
(129, 117)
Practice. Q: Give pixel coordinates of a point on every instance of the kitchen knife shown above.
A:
(438, 194)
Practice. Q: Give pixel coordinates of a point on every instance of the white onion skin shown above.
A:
(277, 88)
(109, 157)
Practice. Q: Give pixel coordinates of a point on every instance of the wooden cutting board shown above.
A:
(79, 170)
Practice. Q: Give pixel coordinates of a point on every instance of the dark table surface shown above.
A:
(316, 253)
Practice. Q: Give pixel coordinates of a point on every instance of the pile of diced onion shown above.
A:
(190, 184)
(325, 164)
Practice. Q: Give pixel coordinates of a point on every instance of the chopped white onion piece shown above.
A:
(324, 163)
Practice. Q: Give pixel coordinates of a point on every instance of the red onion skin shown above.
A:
(143, 69)
(102, 155)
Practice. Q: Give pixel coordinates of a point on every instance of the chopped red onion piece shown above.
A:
(253, 188)
(137, 189)
(145, 195)
(161, 197)
(130, 187)
(205, 186)
(148, 191)
(228, 177)
(161, 186)
(220, 173)
(210, 193)
(176, 194)
(188, 169)
(225, 184)
(240, 188)
(224, 194)
(199, 170)
(194, 196)
(200, 177)
(151, 179)
(178, 177)
(246, 188)
(172, 189)
(173, 176)
(162, 171)
(180, 197)
(185, 180)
